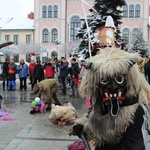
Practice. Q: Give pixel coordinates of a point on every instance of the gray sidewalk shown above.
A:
(33, 132)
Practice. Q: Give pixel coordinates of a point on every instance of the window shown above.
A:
(131, 11)
(38, 56)
(49, 11)
(134, 34)
(55, 11)
(7, 38)
(28, 57)
(126, 34)
(44, 12)
(137, 10)
(53, 55)
(16, 57)
(125, 11)
(54, 35)
(74, 24)
(45, 36)
(7, 56)
(44, 59)
(28, 39)
(16, 39)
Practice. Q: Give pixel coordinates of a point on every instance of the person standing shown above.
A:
(147, 71)
(5, 73)
(23, 71)
(31, 69)
(12, 70)
(74, 72)
(63, 73)
(38, 73)
(49, 69)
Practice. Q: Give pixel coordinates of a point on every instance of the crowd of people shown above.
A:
(65, 71)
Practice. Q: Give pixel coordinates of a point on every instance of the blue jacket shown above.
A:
(64, 69)
(23, 70)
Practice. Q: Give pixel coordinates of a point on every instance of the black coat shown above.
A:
(64, 69)
(5, 68)
(133, 138)
(75, 70)
(38, 72)
(147, 68)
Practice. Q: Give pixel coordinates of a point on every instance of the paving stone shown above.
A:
(33, 132)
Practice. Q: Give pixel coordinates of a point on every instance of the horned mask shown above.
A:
(111, 80)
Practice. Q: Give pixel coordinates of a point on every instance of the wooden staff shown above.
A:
(6, 44)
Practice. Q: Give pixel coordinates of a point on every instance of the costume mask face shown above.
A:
(113, 91)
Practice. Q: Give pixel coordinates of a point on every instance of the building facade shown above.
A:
(55, 25)
(56, 20)
(135, 18)
(21, 32)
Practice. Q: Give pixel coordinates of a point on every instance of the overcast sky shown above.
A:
(16, 8)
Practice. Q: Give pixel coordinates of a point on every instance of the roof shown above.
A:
(16, 24)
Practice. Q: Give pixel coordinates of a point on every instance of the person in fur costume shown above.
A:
(120, 102)
(63, 115)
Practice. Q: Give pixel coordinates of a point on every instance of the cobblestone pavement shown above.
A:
(33, 132)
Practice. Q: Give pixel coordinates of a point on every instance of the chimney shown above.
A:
(31, 15)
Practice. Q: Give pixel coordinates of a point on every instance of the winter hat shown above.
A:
(36, 88)
(73, 59)
(37, 99)
(48, 59)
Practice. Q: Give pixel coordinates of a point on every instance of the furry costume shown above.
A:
(120, 113)
(63, 115)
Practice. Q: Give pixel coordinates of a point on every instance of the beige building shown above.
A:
(21, 32)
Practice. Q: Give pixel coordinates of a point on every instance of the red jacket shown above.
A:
(49, 70)
(31, 68)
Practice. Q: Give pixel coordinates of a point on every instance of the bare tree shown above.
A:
(70, 48)
(29, 48)
(9, 50)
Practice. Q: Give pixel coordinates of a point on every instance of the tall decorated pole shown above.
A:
(88, 29)
(91, 29)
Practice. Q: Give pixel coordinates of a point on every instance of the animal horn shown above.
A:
(132, 62)
(88, 65)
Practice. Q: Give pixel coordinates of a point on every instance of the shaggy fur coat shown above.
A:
(127, 130)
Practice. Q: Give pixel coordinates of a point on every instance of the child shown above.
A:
(37, 106)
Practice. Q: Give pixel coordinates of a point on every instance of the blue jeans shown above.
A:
(63, 84)
(74, 87)
(11, 85)
(147, 79)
